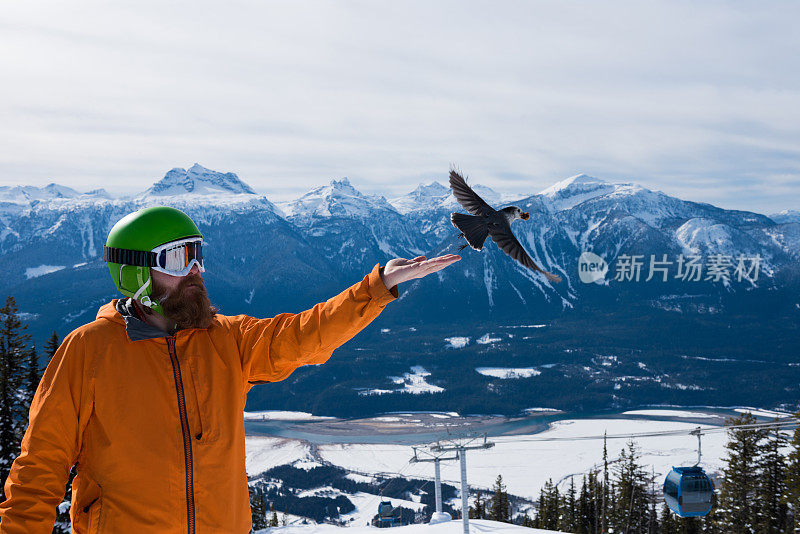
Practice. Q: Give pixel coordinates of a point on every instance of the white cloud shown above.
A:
(701, 100)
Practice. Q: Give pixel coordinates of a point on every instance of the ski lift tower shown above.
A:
(436, 459)
(460, 447)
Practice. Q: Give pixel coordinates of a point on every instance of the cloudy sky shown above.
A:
(698, 99)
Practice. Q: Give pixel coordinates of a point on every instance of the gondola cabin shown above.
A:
(386, 516)
(688, 491)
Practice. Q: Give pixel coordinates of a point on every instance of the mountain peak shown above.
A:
(432, 189)
(574, 190)
(25, 194)
(425, 196)
(198, 180)
(338, 198)
(786, 216)
(575, 183)
(342, 186)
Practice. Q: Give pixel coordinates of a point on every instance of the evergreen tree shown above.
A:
(668, 521)
(584, 510)
(538, 518)
(273, 521)
(632, 510)
(527, 521)
(51, 346)
(479, 510)
(772, 485)
(32, 376)
(500, 508)
(568, 516)
(791, 496)
(549, 507)
(710, 522)
(738, 505)
(654, 497)
(13, 412)
(594, 503)
(258, 512)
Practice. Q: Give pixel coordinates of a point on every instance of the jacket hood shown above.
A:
(109, 311)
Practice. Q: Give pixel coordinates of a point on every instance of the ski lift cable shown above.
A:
(783, 423)
(705, 430)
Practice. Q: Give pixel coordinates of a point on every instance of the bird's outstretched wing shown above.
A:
(508, 243)
(468, 198)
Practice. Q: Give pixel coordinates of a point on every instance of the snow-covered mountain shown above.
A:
(25, 194)
(424, 197)
(352, 230)
(199, 181)
(786, 216)
(333, 234)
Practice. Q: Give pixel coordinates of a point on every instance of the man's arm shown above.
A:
(272, 348)
(38, 477)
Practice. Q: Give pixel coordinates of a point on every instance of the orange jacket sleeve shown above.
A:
(272, 348)
(59, 410)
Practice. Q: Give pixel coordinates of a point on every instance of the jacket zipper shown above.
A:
(187, 440)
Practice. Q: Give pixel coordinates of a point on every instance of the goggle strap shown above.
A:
(138, 258)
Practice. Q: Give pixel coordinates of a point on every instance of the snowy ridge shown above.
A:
(424, 197)
(786, 216)
(198, 180)
(25, 194)
(338, 198)
(568, 193)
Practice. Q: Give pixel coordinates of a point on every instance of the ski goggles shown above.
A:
(175, 258)
(178, 257)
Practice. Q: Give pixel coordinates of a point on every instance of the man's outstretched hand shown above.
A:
(400, 269)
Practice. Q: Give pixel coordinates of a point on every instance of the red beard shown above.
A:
(188, 306)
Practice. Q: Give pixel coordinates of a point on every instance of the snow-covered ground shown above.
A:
(264, 453)
(671, 413)
(41, 270)
(457, 342)
(414, 382)
(526, 462)
(477, 526)
(508, 372)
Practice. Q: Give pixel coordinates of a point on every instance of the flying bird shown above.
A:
(486, 221)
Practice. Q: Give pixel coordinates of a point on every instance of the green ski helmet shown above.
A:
(160, 238)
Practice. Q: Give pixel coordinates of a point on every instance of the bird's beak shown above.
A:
(525, 215)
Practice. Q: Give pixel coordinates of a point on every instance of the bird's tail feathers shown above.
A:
(473, 228)
(552, 277)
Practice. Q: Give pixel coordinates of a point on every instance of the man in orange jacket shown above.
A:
(147, 400)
